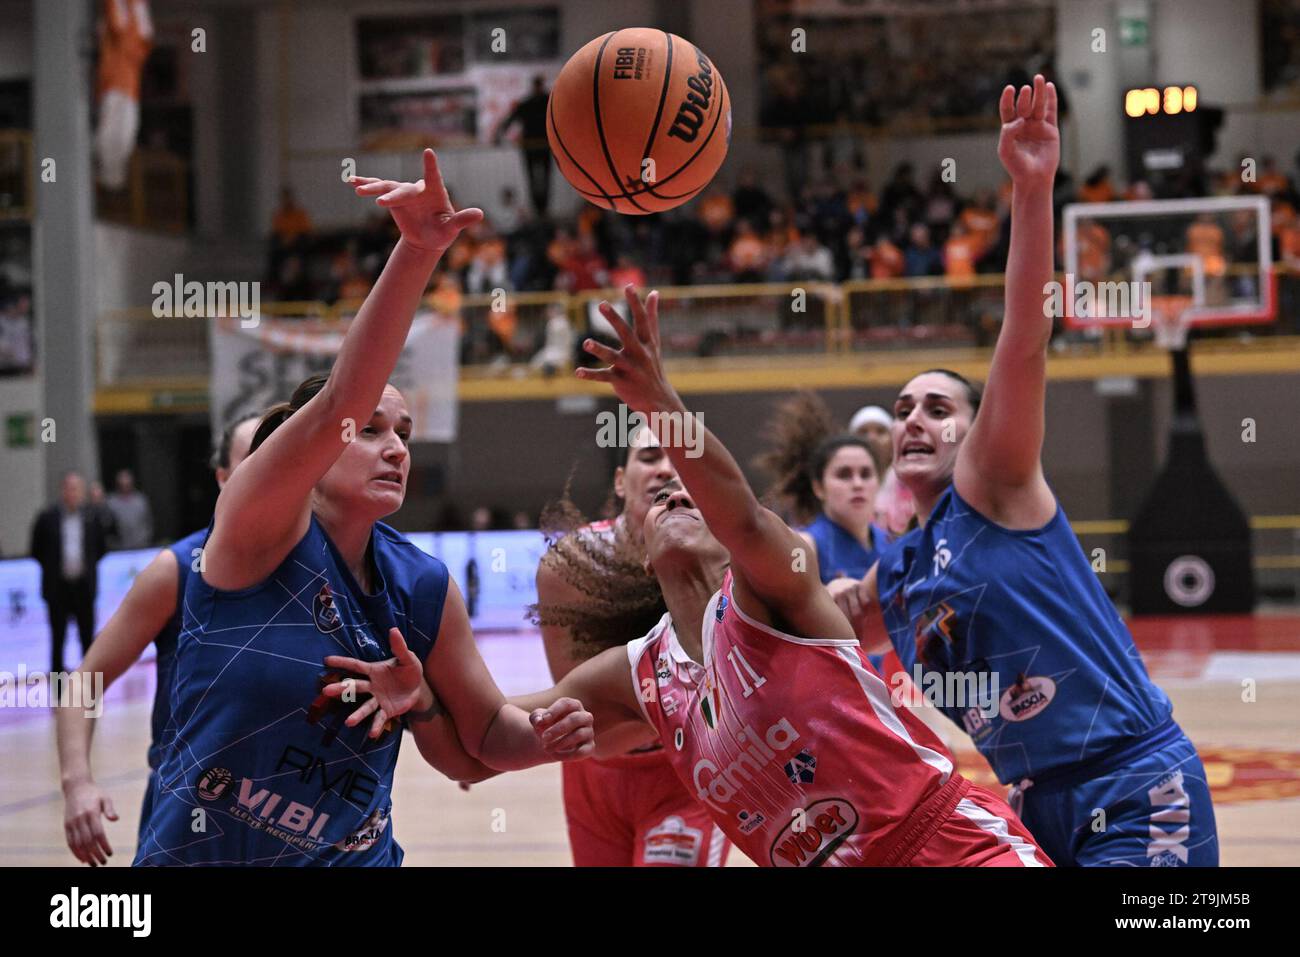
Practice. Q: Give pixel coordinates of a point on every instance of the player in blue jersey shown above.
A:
(300, 582)
(828, 482)
(993, 585)
(150, 612)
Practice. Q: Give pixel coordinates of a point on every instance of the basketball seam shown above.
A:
(555, 128)
(600, 127)
(649, 190)
(659, 110)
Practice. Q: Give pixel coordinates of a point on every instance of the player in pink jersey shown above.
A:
(754, 681)
(629, 809)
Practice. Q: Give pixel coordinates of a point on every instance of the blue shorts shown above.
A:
(1154, 810)
(146, 806)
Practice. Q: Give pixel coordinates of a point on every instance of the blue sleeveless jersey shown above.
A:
(839, 554)
(974, 602)
(257, 765)
(165, 644)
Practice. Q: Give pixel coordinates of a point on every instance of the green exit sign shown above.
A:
(1133, 31)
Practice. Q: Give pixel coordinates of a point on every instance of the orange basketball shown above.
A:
(639, 121)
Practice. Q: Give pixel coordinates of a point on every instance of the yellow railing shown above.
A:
(17, 175)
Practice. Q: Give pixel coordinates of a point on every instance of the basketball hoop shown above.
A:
(1169, 320)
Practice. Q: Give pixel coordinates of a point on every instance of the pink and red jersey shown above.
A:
(792, 743)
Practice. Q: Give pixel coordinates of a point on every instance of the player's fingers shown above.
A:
(541, 719)
(579, 744)
(1049, 114)
(595, 375)
(1040, 97)
(625, 334)
(433, 177)
(1007, 104)
(651, 325)
(347, 664)
(363, 712)
(396, 643)
(467, 217)
(99, 842)
(350, 686)
(1024, 102)
(377, 187)
(377, 725)
(406, 194)
(601, 351)
(636, 309)
(110, 812)
(556, 733)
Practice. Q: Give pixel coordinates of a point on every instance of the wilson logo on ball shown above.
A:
(690, 115)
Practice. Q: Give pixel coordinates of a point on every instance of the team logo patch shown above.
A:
(1027, 698)
(673, 842)
(709, 702)
(323, 611)
(821, 828)
(213, 783)
(750, 821)
(801, 769)
(722, 607)
(365, 836)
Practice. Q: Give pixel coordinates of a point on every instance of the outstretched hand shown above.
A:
(636, 370)
(394, 685)
(422, 210)
(1030, 143)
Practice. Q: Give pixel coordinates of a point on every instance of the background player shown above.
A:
(627, 809)
(995, 581)
(151, 611)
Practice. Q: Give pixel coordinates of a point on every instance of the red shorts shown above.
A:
(632, 811)
(980, 831)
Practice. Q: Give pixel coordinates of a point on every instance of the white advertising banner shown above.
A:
(260, 366)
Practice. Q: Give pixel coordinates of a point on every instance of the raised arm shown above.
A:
(999, 468)
(265, 507)
(148, 606)
(771, 563)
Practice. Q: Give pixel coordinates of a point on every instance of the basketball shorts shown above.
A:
(632, 811)
(1153, 811)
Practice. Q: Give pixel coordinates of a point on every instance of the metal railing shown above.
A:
(509, 329)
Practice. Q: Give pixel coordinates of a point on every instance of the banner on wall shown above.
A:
(260, 366)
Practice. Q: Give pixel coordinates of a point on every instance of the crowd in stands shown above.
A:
(838, 228)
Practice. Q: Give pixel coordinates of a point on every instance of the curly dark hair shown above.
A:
(802, 438)
(621, 600)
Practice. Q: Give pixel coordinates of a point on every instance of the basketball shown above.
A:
(639, 121)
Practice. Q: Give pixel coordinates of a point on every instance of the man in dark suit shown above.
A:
(68, 542)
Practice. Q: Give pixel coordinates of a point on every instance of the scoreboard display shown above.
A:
(1168, 135)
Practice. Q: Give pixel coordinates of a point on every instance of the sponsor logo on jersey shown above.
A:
(721, 611)
(298, 824)
(213, 783)
(942, 556)
(323, 611)
(1027, 698)
(750, 821)
(364, 640)
(354, 786)
(801, 769)
(720, 785)
(823, 827)
(365, 836)
(668, 701)
(673, 842)
(934, 624)
(662, 674)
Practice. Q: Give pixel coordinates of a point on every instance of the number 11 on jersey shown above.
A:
(735, 656)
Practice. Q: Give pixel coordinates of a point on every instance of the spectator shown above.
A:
(808, 260)
(291, 222)
(900, 194)
(920, 258)
(131, 514)
(557, 350)
(103, 514)
(584, 268)
(487, 268)
(626, 271)
(751, 201)
(960, 253)
(747, 256)
(1097, 188)
(886, 259)
(511, 216)
(530, 114)
(68, 542)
